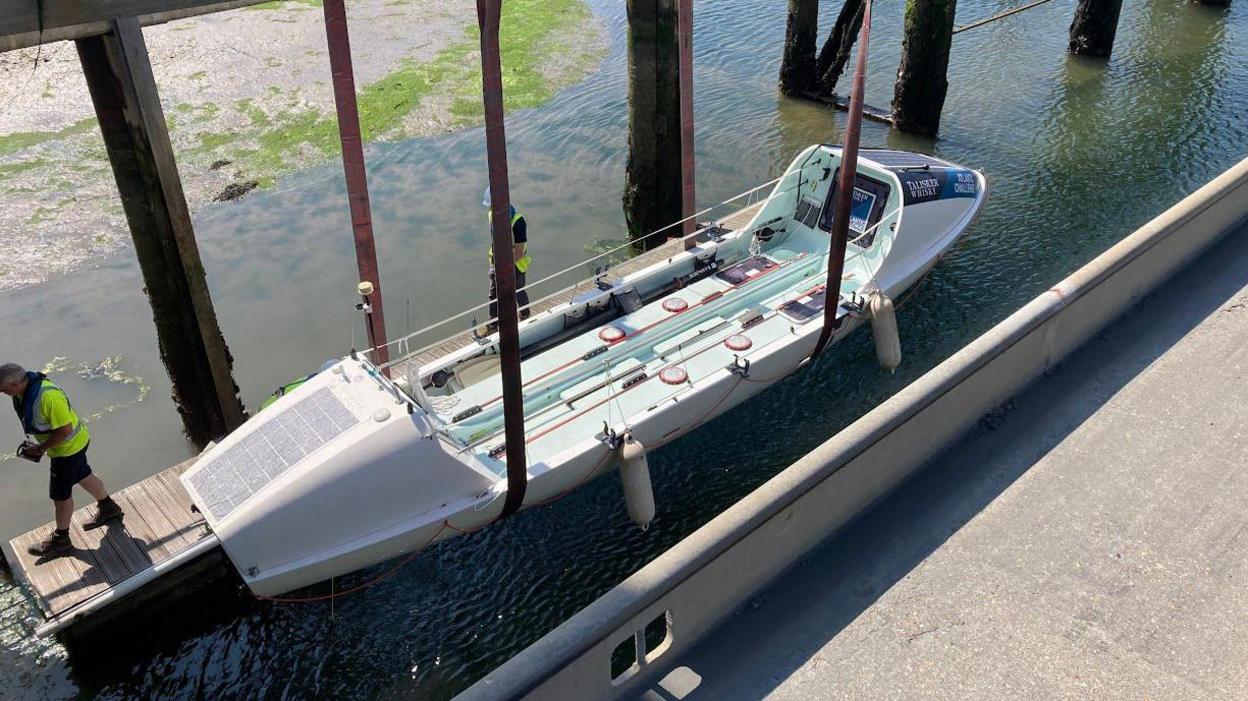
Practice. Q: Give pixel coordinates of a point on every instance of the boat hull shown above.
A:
(349, 470)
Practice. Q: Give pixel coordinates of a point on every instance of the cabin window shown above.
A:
(870, 196)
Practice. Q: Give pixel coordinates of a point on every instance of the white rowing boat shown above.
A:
(352, 468)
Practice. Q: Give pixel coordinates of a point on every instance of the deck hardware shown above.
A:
(498, 451)
(597, 351)
(633, 380)
(610, 438)
(740, 366)
(750, 317)
(675, 305)
(673, 375)
(852, 304)
(470, 411)
(612, 334)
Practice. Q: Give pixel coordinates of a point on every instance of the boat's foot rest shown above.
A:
(711, 232)
(749, 268)
(805, 308)
(630, 300)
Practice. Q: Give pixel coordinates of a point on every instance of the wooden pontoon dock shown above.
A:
(158, 532)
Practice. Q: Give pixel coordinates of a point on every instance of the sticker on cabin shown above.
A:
(860, 210)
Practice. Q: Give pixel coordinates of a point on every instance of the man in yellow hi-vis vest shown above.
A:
(519, 251)
(56, 430)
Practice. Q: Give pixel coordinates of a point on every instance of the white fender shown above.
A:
(635, 476)
(884, 330)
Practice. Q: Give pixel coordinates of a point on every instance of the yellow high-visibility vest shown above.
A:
(522, 263)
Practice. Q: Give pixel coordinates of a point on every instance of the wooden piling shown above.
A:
(653, 183)
(797, 67)
(1093, 27)
(919, 94)
(834, 56)
(688, 194)
(123, 91)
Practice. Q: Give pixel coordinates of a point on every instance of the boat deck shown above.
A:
(157, 525)
(571, 399)
(632, 265)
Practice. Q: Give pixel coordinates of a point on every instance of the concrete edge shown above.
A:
(706, 575)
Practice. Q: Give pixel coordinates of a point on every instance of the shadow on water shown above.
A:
(282, 272)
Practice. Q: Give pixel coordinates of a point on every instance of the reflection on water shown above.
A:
(1078, 153)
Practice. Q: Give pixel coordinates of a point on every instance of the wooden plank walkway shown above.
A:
(158, 523)
(632, 265)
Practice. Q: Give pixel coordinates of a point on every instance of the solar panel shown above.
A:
(234, 475)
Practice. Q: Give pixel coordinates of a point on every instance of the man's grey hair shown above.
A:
(10, 372)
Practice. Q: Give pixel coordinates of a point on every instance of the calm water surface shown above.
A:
(1078, 153)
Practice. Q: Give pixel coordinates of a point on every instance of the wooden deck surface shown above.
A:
(632, 265)
(157, 524)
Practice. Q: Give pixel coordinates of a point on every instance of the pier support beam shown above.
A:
(653, 186)
(919, 94)
(1093, 28)
(123, 91)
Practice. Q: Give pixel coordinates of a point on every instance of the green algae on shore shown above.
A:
(270, 144)
(18, 141)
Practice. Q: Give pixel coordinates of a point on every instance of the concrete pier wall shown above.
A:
(709, 574)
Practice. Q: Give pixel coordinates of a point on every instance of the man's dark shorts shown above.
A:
(66, 472)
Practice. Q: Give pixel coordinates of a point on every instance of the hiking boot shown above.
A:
(105, 511)
(54, 544)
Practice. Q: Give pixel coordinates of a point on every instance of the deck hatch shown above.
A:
(229, 479)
